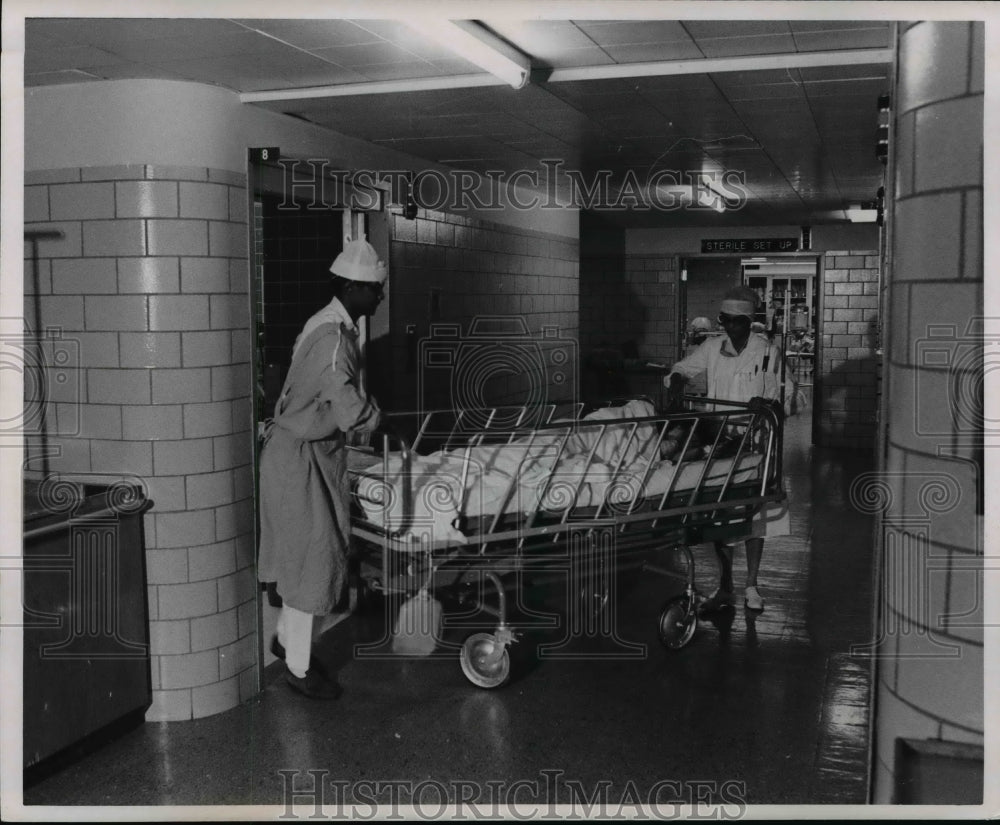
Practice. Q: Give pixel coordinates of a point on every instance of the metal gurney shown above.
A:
(487, 495)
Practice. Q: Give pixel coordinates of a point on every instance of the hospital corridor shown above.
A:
(775, 703)
(537, 416)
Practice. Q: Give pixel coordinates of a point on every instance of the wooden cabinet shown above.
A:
(86, 625)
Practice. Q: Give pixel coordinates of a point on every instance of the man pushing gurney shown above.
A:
(745, 367)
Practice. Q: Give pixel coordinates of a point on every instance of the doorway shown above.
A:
(703, 283)
(787, 308)
(296, 234)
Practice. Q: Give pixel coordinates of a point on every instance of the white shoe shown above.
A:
(752, 599)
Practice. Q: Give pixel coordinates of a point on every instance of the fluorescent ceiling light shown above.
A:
(857, 215)
(684, 192)
(720, 197)
(701, 65)
(504, 64)
(477, 44)
(374, 87)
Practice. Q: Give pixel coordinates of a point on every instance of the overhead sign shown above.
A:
(742, 245)
(264, 154)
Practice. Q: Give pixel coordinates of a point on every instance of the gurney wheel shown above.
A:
(482, 663)
(678, 622)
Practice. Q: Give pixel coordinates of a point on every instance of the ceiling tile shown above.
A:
(572, 58)
(318, 73)
(67, 57)
(767, 91)
(573, 91)
(835, 25)
(399, 71)
(749, 45)
(454, 66)
(699, 29)
(34, 40)
(729, 80)
(198, 47)
(694, 86)
(654, 52)
(837, 40)
(369, 54)
(395, 31)
(314, 34)
(234, 72)
(59, 77)
(111, 32)
(618, 33)
(542, 39)
(132, 71)
(856, 88)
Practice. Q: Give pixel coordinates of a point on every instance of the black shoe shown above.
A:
(314, 684)
(720, 600)
(278, 649)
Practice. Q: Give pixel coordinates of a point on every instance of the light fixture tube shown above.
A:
(477, 44)
(861, 215)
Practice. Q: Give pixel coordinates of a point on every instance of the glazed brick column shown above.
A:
(930, 675)
(150, 283)
(849, 365)
(451, 269)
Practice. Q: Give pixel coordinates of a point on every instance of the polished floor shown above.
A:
(768, 708)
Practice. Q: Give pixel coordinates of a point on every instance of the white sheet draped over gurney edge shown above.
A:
(476, 482)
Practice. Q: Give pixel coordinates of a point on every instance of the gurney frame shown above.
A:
(500, 544)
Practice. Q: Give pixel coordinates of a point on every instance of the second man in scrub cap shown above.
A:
(739, 366)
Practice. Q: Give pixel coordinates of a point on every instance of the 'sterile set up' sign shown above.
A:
(742, 245)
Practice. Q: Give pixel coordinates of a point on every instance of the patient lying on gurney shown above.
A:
(598, 458)
(699, 445)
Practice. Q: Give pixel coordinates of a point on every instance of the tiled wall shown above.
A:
(635, 303)
(628, 308)
(450, 269)
(849, 366)
(708, 280)
(930, 678)
(150, 282)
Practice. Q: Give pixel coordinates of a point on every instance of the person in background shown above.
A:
(699, 330)
(738, 366)
(304, 494)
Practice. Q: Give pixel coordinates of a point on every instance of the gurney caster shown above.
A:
(678, 622)
(485, 659)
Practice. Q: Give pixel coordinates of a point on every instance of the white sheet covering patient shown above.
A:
(554, 468)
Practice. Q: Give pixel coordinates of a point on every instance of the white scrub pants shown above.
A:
(295, 630)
